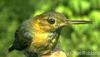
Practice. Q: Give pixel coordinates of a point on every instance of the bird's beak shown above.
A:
(67, 22)
(78, 22)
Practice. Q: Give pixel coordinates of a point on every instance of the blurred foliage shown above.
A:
(75, 39)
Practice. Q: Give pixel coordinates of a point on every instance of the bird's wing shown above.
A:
(23, 37)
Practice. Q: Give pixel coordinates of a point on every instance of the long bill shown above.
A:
(79, 21)
(75, 22)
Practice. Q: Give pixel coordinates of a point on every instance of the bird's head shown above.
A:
(51, 21)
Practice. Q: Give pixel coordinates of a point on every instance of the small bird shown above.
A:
(39, 35)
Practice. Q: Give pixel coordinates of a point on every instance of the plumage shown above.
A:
(23, 37)
(39, 34)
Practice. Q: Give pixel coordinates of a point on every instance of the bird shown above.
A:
(40, 34)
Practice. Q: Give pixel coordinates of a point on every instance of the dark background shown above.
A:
(76, 40)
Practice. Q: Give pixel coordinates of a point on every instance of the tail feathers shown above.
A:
(11, 49)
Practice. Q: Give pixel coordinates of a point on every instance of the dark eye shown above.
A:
(51, 20)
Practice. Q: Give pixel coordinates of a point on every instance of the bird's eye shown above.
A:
(51, 20)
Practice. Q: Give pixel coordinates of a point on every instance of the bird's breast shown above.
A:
(40, 39)
(43, 42)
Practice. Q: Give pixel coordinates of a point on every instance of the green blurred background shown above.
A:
(76, 39)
